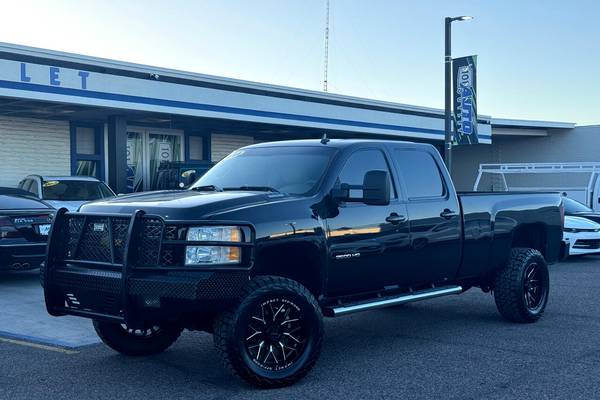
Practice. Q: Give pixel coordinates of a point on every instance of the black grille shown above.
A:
(119, 233)
(170, 255)
(94, 243)
(89, 239)
(149, 246)
(587, 244)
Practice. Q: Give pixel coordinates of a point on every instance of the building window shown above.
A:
(196, 148)
(85, 140)
(87, 150)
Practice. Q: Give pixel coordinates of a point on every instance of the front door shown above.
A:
(366, 242)
(148, 151)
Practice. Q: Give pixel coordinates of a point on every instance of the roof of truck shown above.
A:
(339, 143)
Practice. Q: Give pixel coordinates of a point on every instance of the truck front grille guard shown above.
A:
(126, 243)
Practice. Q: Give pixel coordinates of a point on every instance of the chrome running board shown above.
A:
(392, 301)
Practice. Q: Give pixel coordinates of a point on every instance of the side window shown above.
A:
(420, 173)
(26, 185)
(33, 187)
(359, 164)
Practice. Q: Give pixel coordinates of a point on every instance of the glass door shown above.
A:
(149, 156)
(163, 149)
(135, 162)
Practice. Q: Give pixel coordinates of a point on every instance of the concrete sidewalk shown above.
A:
(23, 315)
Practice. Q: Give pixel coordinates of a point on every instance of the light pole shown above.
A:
(448, 88)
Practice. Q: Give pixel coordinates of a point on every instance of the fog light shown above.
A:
(207, 255)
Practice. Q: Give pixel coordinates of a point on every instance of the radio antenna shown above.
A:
(326, 60)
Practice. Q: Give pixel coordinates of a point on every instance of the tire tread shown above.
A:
(507, 286)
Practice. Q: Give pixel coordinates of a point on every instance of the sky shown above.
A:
(536, 59)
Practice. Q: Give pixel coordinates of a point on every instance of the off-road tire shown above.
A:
(511, 285)
(231, 329)
(124, 341)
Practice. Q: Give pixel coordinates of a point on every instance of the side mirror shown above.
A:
(376, 188)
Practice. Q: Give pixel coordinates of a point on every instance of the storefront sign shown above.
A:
(465, 100)
(148, 90)
(49, 75)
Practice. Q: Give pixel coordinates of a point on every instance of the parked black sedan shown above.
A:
(24, 226)
(577, 209)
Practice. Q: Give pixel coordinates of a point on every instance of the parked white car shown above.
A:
(66, 191)
(582, 234)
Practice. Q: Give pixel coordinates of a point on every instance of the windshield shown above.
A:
(72, 190)
(293, 170)
(574, 207)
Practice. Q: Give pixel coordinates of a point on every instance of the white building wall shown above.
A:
(33, 146)
(222, 144)
(581, 144)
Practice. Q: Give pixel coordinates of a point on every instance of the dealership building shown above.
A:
(67, 114)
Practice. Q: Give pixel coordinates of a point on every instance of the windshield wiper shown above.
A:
(211, 188)
(254, 188)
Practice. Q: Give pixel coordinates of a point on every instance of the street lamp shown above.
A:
(448, 88)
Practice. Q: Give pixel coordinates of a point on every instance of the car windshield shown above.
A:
(293, 170)
(74, 190)
(574, 207)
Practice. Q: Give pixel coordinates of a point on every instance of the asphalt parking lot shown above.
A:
(452, 348)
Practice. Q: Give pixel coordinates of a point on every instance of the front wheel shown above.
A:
(137, 342)
(522, 286)
(273, 338)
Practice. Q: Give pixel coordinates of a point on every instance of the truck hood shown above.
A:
(182, 204)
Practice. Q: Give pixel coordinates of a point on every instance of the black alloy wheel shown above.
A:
(534, 289)
(273, 337)
(145, 341)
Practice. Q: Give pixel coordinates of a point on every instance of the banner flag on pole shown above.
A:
(464, 76)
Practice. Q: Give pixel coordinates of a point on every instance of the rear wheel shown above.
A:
(273, 338)
(136, 342)
(522, 287)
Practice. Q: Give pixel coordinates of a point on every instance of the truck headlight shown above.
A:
(207, 254)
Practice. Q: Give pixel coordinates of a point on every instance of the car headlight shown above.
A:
(209, 255)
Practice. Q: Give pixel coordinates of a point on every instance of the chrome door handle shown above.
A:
(447, 213)
(394, 218)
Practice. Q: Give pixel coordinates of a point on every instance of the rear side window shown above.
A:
(25, 184)
(359, 164)
(420, 172)
(33, 187)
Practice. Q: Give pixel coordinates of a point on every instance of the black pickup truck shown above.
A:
(278, 235)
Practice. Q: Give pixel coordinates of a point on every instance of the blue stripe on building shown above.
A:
(209, 107)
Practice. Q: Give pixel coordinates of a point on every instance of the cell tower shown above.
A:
(326, 60)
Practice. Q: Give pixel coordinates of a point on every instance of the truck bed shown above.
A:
(492, 221)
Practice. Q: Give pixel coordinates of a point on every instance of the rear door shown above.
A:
(434, 212)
